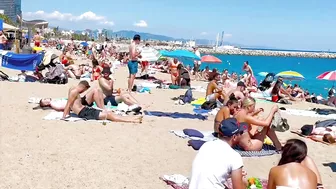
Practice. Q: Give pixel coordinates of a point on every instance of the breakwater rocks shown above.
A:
(269, 53)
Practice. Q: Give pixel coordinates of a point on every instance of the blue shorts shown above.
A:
(2, 47)
(132, 67)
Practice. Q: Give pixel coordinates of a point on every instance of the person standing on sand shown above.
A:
(37, 39)
(216, 161)
(134, 55)
(74, 103)
(3, 40)
(250, 79)
(197, 64)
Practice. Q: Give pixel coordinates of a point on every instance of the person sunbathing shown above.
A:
(322, 134)
(76, 71)
(254, 139)
(106, 85)
(183, 78)
(225, 112)
(239, 91)
(278, 92)
(214, 92)
(205, 73)
(295, 169)
(74, 103)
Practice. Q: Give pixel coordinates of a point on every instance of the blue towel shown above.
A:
(175, 115)
(193, 133)
(26, 62)
(267, 150)
(201, 111)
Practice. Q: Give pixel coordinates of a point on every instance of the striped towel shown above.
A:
(267, 150)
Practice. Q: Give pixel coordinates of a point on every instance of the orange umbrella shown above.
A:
(210, 59)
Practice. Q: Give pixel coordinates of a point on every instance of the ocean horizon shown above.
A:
(287, 50)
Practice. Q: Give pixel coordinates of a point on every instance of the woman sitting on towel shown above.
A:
(225, 112)
(295, 169)
(183, 78)
(253, 140)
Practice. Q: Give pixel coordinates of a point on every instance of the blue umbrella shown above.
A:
(165, 53)
(85, 44)
(181, 54)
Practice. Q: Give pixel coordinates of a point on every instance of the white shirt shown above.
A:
(213, 165)
(199, 55)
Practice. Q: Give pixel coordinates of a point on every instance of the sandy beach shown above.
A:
(38, 153)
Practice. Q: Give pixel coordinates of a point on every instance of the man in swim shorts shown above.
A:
(106, 85)
(213, 92)
(37, 39)
(75, 104)
(133, 62)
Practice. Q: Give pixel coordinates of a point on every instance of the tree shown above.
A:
(7, 20)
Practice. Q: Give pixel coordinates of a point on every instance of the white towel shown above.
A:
(73, 117)
(178, 179)
(307, 113)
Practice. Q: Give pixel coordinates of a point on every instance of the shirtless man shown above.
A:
(74, 103)
(134, 55)
(239, 91)
(3, 40)
(215, 93)
(37, 39)
(225, 112)
(106, 85)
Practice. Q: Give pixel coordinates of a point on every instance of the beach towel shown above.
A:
(73, 117)
(178, 181)
(307, 113)
(207, 135)
(198, 102)
(26, 62)
(175, 115)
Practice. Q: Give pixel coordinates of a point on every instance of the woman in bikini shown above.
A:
(278, 92)
(173, 71)
(225, 112)
(253, 140)
(250, 79)
(96, 70)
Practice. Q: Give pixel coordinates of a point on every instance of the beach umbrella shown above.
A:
(85, 44)
(262, 74)
(210, 59)
(181, 54)
(330, 75)
(290, 75)
(149, 54)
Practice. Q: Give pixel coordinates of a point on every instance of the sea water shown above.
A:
(310, 68)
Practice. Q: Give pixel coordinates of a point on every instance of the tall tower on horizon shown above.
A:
(11, 8)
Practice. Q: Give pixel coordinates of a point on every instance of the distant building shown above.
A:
(11, 8)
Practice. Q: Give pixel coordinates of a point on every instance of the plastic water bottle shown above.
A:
(109, 105)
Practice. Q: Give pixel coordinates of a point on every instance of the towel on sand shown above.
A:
(178, 181)
(175, 115)
(73, 117)
(307, 113)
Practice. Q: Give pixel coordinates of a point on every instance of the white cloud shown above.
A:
(204, 33)
(88, 17)
(227, 35)
(141, 24)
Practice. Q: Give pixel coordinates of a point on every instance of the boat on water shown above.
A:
(226, 47)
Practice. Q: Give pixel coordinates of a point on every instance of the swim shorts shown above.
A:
(111, 99)
(37, 44)
(84, 102)
(132, 67)
(211, 98)
(89, 113)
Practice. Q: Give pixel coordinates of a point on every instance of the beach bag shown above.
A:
(279, 124)
(188, 97)
(209, 105)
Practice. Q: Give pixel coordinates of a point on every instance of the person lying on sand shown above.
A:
(213, 92)
(295, 169)
(76, 71)
(225, 112)
(74, 103)
(94, 95)
(216, 161)
(106, 85)
(254, 139)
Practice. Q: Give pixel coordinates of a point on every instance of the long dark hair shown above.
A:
(277, 87)
(295, 150)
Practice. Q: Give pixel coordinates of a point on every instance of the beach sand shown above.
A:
(37, 153)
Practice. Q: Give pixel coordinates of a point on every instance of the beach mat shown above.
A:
(73, 117)
(178, 181)
(313, 139)
(307, 113)
(175, 115)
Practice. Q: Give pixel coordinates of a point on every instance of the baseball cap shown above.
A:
(241, 84)
(136, 37)
(231, 126)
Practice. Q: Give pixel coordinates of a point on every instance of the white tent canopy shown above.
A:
(7, 27)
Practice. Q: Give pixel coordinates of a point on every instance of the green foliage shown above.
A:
(7, 20)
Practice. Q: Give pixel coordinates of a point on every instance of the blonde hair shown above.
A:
(248, 101)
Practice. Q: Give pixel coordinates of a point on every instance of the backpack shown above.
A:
(279, 124)
(188, 96)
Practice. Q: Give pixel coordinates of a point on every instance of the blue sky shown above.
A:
(289, 24)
